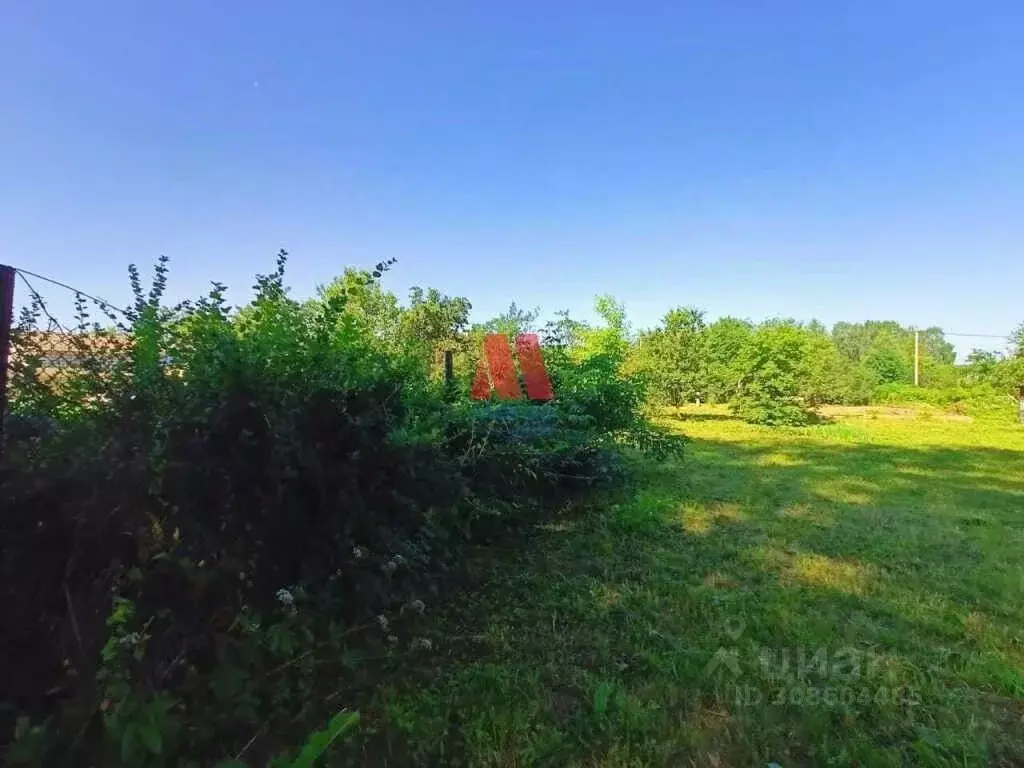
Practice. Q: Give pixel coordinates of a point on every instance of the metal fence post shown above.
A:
(6, 318)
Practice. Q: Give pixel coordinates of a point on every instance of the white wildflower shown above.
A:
(358, 553)
(417, 606)
(382, 620)
(392, 640)
(422, 642)
(285, 597)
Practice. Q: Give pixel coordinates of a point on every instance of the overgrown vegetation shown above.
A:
(226, 532)
(218, 531)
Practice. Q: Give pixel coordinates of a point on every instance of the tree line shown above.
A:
(775, 371)
(778, 370)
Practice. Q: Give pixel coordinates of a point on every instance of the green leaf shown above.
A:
(319, 741)
(129, 743)
(602, 695)
(151, 737)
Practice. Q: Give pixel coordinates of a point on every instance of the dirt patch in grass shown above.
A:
(889, 412)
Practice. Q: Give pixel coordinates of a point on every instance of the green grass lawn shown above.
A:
(844, 594)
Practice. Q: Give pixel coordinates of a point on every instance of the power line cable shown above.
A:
(977, 335)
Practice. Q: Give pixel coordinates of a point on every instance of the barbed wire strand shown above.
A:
(41, 303)
(101, 302)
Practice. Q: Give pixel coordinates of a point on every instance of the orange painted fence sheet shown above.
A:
(531, 363)
(503, 367)
(481, 383)
(503, 375)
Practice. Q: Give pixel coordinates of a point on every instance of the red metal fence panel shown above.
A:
(531, 363)
(503, 367)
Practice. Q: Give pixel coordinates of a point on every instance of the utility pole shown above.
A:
(917, 358)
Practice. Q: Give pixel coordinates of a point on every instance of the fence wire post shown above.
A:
(6, 318)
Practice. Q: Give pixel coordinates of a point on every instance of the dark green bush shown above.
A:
(197, 555)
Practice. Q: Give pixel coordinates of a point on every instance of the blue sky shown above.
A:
(839, 160)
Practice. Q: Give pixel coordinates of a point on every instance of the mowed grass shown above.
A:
(861, 583)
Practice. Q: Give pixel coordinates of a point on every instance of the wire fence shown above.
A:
(48, 364)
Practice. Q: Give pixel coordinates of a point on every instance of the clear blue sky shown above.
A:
(835, 159)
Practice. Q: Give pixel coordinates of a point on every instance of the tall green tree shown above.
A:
(981, 365)
(776, 366)
(367, 302)
(434, 319)
(563, 332)
(884, 350)
(825, 373)
(435, 323)
(935, 347)
(513, 321)
(613, 337)
(724, 342)
(672, 357)
(1017, 341)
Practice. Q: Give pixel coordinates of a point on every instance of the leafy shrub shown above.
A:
(673, 358)
(725, 340)
(525, 455)
(597, 388)
(774, 366)
(264, 455)
(196, 555)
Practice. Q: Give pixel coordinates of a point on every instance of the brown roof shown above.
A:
(71, 344)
